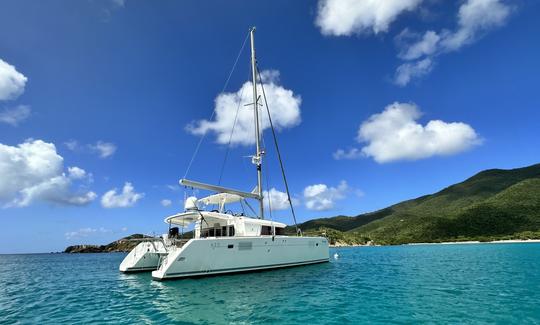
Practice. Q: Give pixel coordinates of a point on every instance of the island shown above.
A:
(125, 244)
(492, 206)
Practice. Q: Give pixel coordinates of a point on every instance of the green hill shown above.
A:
(125, 244)
(493, 204)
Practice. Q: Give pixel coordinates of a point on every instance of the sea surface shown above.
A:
(477, 284)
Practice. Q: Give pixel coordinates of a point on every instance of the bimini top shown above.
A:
(186, 218)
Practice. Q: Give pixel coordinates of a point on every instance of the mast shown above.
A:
(257, 159)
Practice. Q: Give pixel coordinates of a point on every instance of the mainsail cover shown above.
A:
(220, 199)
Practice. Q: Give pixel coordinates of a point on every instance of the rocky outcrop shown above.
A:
(125, 244)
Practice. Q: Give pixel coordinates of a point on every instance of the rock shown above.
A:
(122, 245)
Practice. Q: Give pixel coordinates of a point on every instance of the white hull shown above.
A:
(219, 255)
(144, 257)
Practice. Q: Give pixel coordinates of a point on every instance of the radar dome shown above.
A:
(191, 204)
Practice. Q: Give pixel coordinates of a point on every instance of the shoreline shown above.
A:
(468, 242)
(503, 241)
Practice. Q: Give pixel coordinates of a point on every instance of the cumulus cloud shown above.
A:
(408, 71)
(284, 107)
(12, 82)
(395, 134)
(34, 171)
(128, 197)
(347, 17)
(321, 197)
(352, 153)
(14, 115)
(277, 200)
(166, 202)
(474, 19)
(103, 149)
(72, 144)
(85, 232)
(417, 50)
(414, 45)
(76, 173)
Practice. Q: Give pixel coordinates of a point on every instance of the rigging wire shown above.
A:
(267, 178)
(214, 111)
(230, 137)
(278, 152)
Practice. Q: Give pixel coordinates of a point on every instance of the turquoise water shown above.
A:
(484, 283)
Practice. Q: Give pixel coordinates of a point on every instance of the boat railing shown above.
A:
(179, 242)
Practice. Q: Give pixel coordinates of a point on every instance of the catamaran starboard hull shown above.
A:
(213, 256)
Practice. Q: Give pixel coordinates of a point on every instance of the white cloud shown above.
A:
(119, 3)
(34, 171)
(12, 82)
(408, 71)
(395, 134)
(124, 229)
(284, 107)
(76, 173)
(15, 115)
(127, 198)
(352, 153)
(277, 200)
(85, 232)
(166, 202)
(424, 45)
(475, 18)
(173, 188)
(104, 149)
(72, 144)
(320, 197)
(347, 17)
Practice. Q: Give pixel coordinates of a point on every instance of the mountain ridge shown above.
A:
(432, 217)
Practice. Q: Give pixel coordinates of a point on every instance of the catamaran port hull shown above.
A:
(212, 256)
(144, 257)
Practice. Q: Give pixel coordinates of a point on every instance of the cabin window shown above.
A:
(231, 231)
(210, 232)
(224, 231)
(266, 230)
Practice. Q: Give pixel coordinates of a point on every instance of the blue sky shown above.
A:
(377, 103)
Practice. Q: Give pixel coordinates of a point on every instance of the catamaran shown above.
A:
(224, 241)
(145, 256)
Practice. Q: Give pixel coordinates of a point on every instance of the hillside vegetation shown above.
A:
(493, 204)
(125, 244)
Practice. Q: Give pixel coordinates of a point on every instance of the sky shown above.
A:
(103, 104)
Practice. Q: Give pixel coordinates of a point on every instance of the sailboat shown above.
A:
(227, 242)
